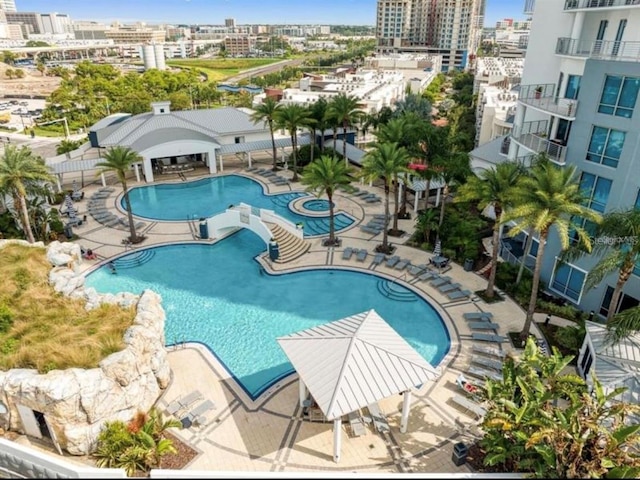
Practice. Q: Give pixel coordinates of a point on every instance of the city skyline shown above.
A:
(213, 12)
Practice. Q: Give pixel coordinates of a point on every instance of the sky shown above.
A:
(213, 12)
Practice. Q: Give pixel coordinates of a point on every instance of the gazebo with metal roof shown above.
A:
(354, 362)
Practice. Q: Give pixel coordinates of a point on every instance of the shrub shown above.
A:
(6, 318)
(565, 311)
(571, 337)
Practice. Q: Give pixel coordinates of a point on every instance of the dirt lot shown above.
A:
(34, 83)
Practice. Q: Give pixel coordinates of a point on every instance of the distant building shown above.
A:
(497, 71)
(495, 113)
(418, 70)
(153, 56)
(55, 23)
(230, 22)
(31, 20)
(136, 33)
(239, 44)
(8, 5)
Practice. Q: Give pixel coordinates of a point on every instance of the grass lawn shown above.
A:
(42, 329)
(218, 69)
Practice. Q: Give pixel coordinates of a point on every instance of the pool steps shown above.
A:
(290, 247)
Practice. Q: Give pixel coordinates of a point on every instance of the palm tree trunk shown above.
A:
(445, 192)
(273, 146)
(331, 220)
(533, 300)
(494, 257)
(344, 143)
(527, 249)
(395, 205)
(385, 246)
(426, 194)
(312, 144)
(132, 228)
(24, 213)
(625, 273)
(294, 142)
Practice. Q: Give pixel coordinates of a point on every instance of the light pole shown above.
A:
(63, 119)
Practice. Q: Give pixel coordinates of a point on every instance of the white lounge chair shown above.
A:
(469, 405)
(358, 428)
(379, 420)
(183, 402)
(197, 414)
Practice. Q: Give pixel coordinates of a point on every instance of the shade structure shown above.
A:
(68, 206)
(437, 251)
(354, 362)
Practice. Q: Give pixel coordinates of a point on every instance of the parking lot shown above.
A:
(23, 112)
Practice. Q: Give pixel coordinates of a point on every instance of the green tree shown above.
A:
(492, 187)
(386, 160)
(318, 115)
(548, 197)
(267, 112)
(68, 146)
(344, 111)
(119, 160)
(9, 57)
(20, 169)
(325, 175)
(292, 117)
(623, 324)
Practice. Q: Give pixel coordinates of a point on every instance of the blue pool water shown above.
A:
(210, 196)
(219, 296)
(316, 205)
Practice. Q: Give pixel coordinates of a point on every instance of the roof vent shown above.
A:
(161, 108)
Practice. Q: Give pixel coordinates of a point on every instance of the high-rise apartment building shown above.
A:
(451, 28)
(8, 5)
(578, 103)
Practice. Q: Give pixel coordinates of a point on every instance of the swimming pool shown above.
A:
(212, 195)
(219, 296)
(316, 205)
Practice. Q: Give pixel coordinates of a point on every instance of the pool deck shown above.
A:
(269, 434)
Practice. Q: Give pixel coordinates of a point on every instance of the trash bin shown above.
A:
(204, 229)
(468, 264)
(274, 250)
(460, 451)
(68, 231)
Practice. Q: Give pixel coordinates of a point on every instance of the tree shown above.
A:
(118, 160)
(617, 242)
(19, 170)
(291, 117)
(548, 197)
(67, 146)
(267, 112)
(318, 113)
(554, 425)
(493, 187)
(623, 324)
(344, 110)
(325, 175)
(386, 160)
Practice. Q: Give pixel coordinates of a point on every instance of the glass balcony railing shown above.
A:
(543, 98)
(533, 136)
(599, 49)
(583, 4)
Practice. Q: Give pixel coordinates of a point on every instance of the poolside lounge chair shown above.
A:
(488, 337)
(369, 229)
(111, 222)
(484, 373)
(346, 254)
(391, 261)
(361, 193)
(381, 216)
(373, 199)
(440, 281)
(402, 264)
(183, 402)
(494, 352)
(428, 275)
(357, 425)
(362, 255)
(469, 405)
(448, 287)
(459, 294)
(379, 420)
(378, 259)
(477, 315)
(197, 414)
(487, 362)
(416, 270)
(482, 325)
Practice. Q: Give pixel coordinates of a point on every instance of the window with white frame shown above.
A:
(619, 95)
(568, 280)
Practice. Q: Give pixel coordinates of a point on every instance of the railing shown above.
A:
(578, 4)
(504, 147)
(543, 97)
(598, 49)
(533, 135)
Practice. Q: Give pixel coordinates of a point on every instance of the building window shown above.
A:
(573, 86)
(586, 362)
(239, 139)
(596, 190)
(568, 281)
(619, 96)
(625, 302)
(605, 146)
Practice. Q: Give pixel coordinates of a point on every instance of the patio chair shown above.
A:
(374, 199)
(346, 254)
(469, 405)
(484, 373)
(494, 352)
(391, 261)
(380, 216)
(448, 287)
(379, 420)
(378, 259)
(402, 264)
(197, 414)
(459, 294)
(488, 337)
(482, 325)
(487, 362)
(369, 229)
(362, 255)
(112, 222)
(416, 270)
(361, 193)
(477, 315)
(428, 275)
(183, 402)
(357, 425)
(440, 281)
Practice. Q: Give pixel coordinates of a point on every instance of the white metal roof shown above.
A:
(304, 139)
(354, 362)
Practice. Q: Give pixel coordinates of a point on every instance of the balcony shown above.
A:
(542, 97)
(599, 49)
(590, 4)
(533, 136)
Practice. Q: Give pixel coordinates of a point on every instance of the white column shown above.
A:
(211, 161)
(337, 439)
(438, 196)
(249, 159)
(58, 182)
(219, 155)
(104, 181)
(400, 187)
(302, 389)
(148, 171)
(406, 405)
(416, 201)
(578, 22)
(137, 170)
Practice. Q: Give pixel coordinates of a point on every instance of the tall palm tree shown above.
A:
(325, 175)
(548, 197)
(266, 112)
(494, 186)
(344, 110)
(618, 245)
(20, 169)
(451, 170)
(119, 159)
(291, 117)
(67, 146)
(623, 324)
(386, 160)
(318, 113)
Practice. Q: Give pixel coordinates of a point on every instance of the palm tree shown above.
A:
(266, 112)
(494, 187)
(344, 111)
(549, 197)
(68, 146)
(386, 160)
(20, 169)
(318, 113)
(119, 159)
(291, 117)
(616, 241)
(325, 175)
(451, 170)
(623, 324)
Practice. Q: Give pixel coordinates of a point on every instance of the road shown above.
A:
(274, 67)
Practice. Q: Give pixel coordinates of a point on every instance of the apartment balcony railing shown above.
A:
(599, 49)
(543, 98)
(533, 136)
(584, 4)
(504, 146)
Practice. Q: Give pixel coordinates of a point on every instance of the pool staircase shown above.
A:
(290, 247)
(134, 260)
(393, 291)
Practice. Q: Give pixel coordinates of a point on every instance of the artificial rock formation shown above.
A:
(77, 402)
